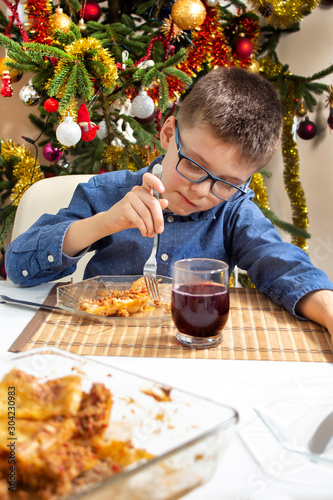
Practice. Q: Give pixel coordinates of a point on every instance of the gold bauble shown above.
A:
(61, 21)
(301, 110)
(82, 26)
(254, 67)
(14, 74)
(188, 14)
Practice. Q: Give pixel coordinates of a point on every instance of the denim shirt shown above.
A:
(237, 233)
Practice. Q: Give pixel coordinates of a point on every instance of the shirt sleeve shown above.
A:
(278, 269)
(36, 255)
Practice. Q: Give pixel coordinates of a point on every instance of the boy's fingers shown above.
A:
(144, 211)
(151, 181)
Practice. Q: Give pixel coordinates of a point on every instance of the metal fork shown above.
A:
(149, 269)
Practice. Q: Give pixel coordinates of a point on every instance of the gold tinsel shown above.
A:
(78, 49)
(26, 172)
(286, 12)
(260, 191)
(83, 45)
(290, 156)
(329, 99)
(168, 25)
(115, 156)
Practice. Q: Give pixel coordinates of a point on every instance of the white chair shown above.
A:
(48, 196)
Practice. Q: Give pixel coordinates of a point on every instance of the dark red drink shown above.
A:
(200, 310)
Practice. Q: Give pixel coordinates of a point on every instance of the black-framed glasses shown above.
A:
(193, 172)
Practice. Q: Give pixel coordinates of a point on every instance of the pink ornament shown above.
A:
(51, 154)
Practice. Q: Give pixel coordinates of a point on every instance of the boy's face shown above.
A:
(219, 158)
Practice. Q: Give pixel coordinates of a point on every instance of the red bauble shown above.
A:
(51, 105)
(330, 119)
(91, 12)
(242, 48)
(2, 266)
(146, 120)
(306, 129)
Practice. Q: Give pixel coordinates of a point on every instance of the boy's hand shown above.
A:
(139, 208)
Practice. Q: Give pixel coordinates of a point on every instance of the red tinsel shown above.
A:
(39, 16)
(250, 27)
(15, 17)
(209, 45)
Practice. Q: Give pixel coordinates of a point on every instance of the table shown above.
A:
(237, 383)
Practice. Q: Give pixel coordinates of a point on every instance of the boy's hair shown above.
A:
(239, 107)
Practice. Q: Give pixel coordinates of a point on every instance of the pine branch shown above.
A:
(84, 81)
(47, 50)
(177, 73)
(70, 89)
(286, 226)
(7, 215)
(163, 92)
(59, 80)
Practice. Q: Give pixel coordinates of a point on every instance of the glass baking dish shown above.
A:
(68, 297)
(186, 434)
(295, 411)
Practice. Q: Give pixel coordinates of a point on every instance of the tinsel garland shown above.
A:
(285, 12)
(39, 20)
(26, 172)
(260, 191)
(212, 47)
(209, 45)
(114, 156)
(290, 155)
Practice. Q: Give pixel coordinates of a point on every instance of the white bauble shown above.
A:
(142, 105)
(68, 132)
(28, 95)
(102, 132)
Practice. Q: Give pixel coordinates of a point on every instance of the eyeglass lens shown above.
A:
(194, 173)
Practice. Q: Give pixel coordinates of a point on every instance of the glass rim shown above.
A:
(222, 266)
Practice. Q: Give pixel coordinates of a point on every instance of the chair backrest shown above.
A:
(48, 196)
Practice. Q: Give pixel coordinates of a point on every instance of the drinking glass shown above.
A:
(200, 301)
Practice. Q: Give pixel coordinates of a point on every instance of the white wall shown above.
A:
(306, 52)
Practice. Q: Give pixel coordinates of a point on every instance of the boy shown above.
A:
(227, 128)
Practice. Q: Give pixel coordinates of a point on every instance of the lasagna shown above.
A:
(58, 438)
(120, 302)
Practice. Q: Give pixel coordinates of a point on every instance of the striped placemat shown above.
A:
(257, 329)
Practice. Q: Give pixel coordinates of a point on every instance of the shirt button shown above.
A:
(50, 258)
(25, 272)
(164, 256)
(170, 218)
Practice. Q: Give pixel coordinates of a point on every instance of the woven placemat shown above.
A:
(257, 329)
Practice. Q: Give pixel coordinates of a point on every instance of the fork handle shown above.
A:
(157, 170)
(28, 303)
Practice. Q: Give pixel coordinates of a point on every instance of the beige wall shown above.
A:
(306, 52)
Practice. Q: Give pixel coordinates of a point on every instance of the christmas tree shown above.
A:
(106, 75)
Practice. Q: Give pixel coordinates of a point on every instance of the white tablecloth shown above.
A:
(240, 384)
